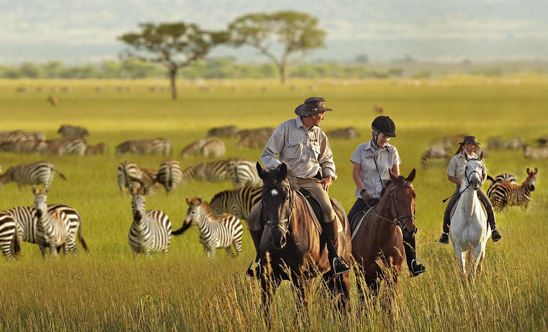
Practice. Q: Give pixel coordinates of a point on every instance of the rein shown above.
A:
(287, 220)
(397, 220)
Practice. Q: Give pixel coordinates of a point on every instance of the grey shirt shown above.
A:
(457, 165)
(304, 151)
(365, 155)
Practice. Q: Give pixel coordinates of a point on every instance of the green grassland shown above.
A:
(108, 289)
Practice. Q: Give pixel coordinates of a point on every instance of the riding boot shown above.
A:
(409, 245)
(495, 235)
(254, 269)
(444, 238)
(330, 231)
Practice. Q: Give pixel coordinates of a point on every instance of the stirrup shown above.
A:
(251, 272)
(417, 262)
(343, 268)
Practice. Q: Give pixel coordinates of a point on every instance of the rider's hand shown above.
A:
(326, 182)
(365, 195)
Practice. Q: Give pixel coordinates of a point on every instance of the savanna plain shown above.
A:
(109, 290)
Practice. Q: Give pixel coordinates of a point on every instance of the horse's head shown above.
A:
(531, 179)
(474, 173)
(401, 196)
(277, 203)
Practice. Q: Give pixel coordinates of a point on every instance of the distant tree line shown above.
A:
(210, 68)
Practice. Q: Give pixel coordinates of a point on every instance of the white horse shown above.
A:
(469, 230)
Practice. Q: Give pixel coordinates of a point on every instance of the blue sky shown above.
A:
(78, 31)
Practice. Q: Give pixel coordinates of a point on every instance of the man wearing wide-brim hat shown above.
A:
(455, 173)
(303, 146)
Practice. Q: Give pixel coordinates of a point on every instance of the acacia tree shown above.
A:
(294, 33)
(174, 45)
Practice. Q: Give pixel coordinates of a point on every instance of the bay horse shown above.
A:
(469, 230)
(377, 245)
(292, 247)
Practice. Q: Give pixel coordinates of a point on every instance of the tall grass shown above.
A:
(107, 289)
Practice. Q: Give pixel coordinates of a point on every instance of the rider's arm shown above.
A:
(273, 148)
(356, 170)
(395, 170)
(453, 179)
(325, 159)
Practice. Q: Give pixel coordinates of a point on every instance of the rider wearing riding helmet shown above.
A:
(455, 174)
(372, 162)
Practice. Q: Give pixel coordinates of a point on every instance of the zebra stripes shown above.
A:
(31, 174)
(145, 146)
(9, 242)
(26, 221)
(74, 146)
(69, 131)
(215, 231)
(505, 191)
(151, 230)
(238, 202)
(130, 175)
(52, 228)
(240, 172)
(169, 175)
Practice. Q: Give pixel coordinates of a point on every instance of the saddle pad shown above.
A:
(365, 213)
(455, 208)
(315, 212)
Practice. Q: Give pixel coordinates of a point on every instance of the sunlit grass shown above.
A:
(107, 289)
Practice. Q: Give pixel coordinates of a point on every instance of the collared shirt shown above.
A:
(365, 155)
(304, 151)
(457, 165)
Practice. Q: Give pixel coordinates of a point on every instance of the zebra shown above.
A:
(238, 202)
(240, 172)
(69, 131)
(52, 229)
(226, 131)
(40, 172)
(21, 141)
(27, 222)
(9, 241)
(535, 153)
(151, 229)
(129, 175)
(169, 174)
(145, 146)
(507, 177)
(215, 231)
(437, 151)
(76, 146)
(504, 193)
(206, 147)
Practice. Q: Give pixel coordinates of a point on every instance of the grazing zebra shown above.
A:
(151, 229)
(226, 131)
(238, 202)
(535, 153)
(206, 147)
(169, 175)
(240, 172)
(504, 193)
(145, 146)
(21, 141)
(244, 173)
(499, 143)
(76, 146)
(434, 152)
(9, 241)
(215, 231)
(129, 175)
(68, 131)
(99, 148)
(52, 228)
(27, 222)
(31, 174)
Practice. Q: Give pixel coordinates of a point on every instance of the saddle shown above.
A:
(358, 218)
(455, 208)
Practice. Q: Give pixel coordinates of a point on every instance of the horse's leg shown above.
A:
(391, 281)
(476, 259)
(460, 255)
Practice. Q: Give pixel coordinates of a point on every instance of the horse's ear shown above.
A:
(481, 155)
(411, 176)
(260, 171)
(283, 171)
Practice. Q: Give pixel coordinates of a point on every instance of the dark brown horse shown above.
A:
(292, 246)
(377, 245)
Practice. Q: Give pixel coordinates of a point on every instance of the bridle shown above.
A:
(397, 220)
(270, 225)
(475, 171)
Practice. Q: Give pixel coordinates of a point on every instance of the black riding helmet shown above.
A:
(384, 125)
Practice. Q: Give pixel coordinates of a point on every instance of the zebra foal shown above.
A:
(215, 231)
